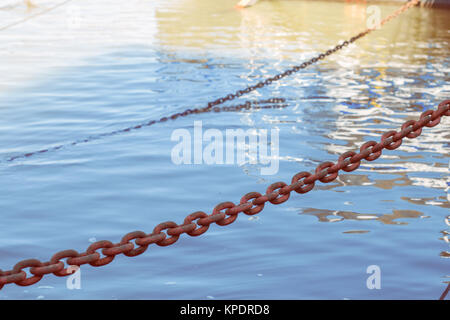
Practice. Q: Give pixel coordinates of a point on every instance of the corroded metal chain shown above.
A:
(402, 9)
(311, 61)
(197, 223)
(444, 294)
(230, 96)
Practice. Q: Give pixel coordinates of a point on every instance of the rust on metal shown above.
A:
(224, 213)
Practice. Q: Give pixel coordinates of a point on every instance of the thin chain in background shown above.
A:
(229, 97)
(224, 213)
(276, 193)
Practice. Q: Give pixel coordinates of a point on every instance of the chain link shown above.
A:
(446, 291)
(224, 213)
(311, 61)
(272, 103)
(213, 105)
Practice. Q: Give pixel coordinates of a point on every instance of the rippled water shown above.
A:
(90, 68)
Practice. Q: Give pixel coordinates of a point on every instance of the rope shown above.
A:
(34, 15)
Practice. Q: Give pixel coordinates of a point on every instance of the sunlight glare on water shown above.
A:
(92, 67)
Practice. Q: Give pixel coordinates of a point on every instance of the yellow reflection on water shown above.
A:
(293, 26)
(339, 215)
(278, 29)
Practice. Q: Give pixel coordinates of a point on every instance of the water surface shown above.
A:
(90, 68)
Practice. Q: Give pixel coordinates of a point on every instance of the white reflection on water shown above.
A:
(46, 44)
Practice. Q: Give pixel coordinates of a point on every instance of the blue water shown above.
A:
(388, 213)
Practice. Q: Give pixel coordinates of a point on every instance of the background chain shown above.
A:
(103, 252)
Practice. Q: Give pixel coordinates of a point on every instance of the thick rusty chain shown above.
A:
(225, 213)
(444, 294)
(230, 96)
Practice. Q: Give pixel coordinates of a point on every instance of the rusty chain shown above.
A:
(446, 291)
(210, 106)
(225, 213)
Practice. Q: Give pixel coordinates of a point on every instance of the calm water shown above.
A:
(90, 68)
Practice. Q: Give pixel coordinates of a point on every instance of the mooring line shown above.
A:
(272, 103)
(40, 13)
(224, 213)
(230, 96)
(313, 60)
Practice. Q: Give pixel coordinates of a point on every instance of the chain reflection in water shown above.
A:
(273, 103)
